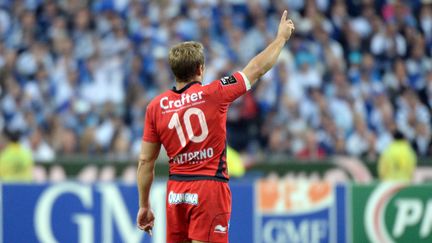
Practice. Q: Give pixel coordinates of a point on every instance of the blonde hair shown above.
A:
(184, 59)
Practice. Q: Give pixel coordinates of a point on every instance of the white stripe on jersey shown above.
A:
(246, 81)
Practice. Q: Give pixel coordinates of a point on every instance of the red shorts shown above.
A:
(198, 210)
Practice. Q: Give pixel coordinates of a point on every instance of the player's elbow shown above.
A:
(141, 163)
(254, 71)
(145, 161)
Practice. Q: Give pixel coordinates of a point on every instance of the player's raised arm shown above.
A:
(146, 164)
(265, 60)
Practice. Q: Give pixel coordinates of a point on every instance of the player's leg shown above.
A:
(209, 219)
(176, 216)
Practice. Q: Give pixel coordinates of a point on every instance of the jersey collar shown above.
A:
(185, 87)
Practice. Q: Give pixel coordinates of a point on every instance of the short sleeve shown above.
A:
(229, 88)
(150, 132)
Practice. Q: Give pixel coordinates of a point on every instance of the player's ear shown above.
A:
(200, 70)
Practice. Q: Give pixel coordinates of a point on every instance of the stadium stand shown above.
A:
(76, 76)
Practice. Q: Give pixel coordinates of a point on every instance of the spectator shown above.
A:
(398, 161)
(411, 111)
(362, 141)
(311, 150)
(41, 150)
(422, 142)
(16, 163)
(388, 43)
(426, 21)
(418, 64)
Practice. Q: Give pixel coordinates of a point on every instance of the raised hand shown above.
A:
(286, 26)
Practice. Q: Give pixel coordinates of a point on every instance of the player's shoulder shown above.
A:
(227, 80)
(155, 102)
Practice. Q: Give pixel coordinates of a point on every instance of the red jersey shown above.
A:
(191, 124)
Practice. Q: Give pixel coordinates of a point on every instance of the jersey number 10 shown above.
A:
(175, 123)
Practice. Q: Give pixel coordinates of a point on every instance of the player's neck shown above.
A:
(181, 85)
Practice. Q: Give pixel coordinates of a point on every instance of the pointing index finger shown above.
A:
(284, 15)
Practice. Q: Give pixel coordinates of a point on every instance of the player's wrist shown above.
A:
(280, 37)
(144, 205)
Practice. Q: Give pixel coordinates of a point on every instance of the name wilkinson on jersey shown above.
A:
(178, 198)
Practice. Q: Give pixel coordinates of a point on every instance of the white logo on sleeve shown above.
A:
(220, 229)
(228, 80)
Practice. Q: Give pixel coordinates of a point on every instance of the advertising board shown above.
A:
(263, 211)
(74, 212)
(292, 211)
(391, 212)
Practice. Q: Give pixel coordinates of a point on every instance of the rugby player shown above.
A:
(190, 122)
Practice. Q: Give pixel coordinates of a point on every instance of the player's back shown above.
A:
(191, 124)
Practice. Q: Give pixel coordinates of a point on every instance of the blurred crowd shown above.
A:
(76, 75)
